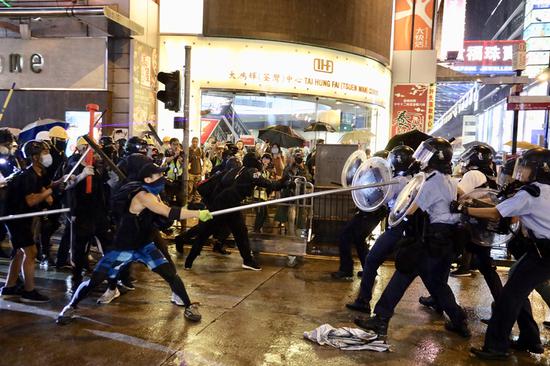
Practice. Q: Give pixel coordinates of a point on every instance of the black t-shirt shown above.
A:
(23, 184)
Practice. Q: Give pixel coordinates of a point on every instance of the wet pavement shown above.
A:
(249, 318)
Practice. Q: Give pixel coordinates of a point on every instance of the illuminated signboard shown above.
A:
(487, 57)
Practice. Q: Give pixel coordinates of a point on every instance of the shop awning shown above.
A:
(103, 19)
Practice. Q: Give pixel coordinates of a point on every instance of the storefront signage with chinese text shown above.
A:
(487, 57)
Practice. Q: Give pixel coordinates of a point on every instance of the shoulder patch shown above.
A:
(532, 189)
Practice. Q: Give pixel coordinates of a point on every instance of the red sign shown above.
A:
(414, 30)
(410, 108)
(248, 140)
(528, 103)
(490, 57)
(207, 127)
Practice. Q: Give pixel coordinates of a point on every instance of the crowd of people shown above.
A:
(129, 192)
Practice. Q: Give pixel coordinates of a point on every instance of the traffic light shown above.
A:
(170, 96)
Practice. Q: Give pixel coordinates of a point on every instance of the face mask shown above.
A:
(156, 187)
(275, 151)
(298, 160)
(46, 160)
(60, 145)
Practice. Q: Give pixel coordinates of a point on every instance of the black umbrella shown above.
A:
(411, 138)
(283, 136)
(319, 127)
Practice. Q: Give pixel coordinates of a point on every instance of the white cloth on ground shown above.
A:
(346, 339)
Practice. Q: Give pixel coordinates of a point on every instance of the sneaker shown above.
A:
(127, 285)
(429, 302)
(108, 296)
(461, 272)
(488, 354)
(12, 291)
(64, 267)
(359, 305)
(375, 323)
(34, 296)
(66, 315)
(339, 275)
(251, 265)
(176, 300)
(460, 329)
(192, 313)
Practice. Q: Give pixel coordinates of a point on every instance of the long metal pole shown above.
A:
(186, 113)
(77, 164)
(516, 124)
(7, 101)
(33, 214)
(299, 197)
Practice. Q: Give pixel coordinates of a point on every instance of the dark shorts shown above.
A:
(115, 260)
(21, 233)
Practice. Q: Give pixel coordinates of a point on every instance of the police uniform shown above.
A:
(433, 263)
(531, 270)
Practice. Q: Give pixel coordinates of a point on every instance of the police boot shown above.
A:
(460, 328)
(359, 305)
(430, 302)
(376, 323)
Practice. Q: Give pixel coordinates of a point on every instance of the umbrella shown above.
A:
(357, 137)
(283, 136)
(411, 138)
(524, 145)
(319, 127)
(29, 131)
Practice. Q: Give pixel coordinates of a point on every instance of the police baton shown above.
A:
(155, 134)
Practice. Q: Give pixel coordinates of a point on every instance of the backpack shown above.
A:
(207, 187)
(122, 197)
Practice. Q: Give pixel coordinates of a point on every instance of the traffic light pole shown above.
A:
(185, 139)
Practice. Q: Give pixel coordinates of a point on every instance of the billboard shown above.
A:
(487, 57)
(414, 25)
(410, 108)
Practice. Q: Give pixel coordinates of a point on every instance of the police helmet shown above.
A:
(232, 163)
(136, 145)
(32, 148)
(533, 166)
(478, 156)
(435, 153)
(401, 158)
(106, 141)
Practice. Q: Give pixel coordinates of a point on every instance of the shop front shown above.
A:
(242, 86)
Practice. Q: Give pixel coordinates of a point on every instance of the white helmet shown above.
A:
(43, 136)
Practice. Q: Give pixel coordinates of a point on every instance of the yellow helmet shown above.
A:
(58, 132)
(81, 141)
(166, 140)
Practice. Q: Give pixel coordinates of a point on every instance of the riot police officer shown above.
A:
(354, 233)
(400, 159)
(530, 205)
(437, 245)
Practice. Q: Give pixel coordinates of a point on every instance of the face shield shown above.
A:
(423, 154)
(523, 172)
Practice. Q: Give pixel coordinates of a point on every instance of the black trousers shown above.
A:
(87, 229)
(48, 226)
(487, 268)
(432, 272)
(513, 304)
(65, 245)
(354, 234)
(236, 224)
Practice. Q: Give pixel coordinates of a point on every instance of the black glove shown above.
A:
(58, 187)
(457, 207)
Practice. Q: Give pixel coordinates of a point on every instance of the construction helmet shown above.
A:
(58, 132)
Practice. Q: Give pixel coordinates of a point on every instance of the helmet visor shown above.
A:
(523, 171)
(423, 154)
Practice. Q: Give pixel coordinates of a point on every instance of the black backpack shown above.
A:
(122, 197)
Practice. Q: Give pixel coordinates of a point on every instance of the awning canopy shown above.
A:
(102, 19)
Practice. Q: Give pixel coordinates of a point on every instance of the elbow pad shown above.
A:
(175, 213)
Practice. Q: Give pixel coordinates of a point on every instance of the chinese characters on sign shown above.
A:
(410, 108)
(487, 57)
(413, 30)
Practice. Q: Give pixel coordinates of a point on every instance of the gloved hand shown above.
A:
(58, 187)
(457, 207)
(88, 170)
(205, 215)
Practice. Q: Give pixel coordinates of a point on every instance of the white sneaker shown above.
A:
(108, 296)
(175, 299)
(66, 315)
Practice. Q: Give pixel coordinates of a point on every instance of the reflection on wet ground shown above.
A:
(249, 318)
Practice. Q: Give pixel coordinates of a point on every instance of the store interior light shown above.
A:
(544, 75)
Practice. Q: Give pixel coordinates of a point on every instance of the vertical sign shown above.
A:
(413, 26)
(410, 107)
(431, 108)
